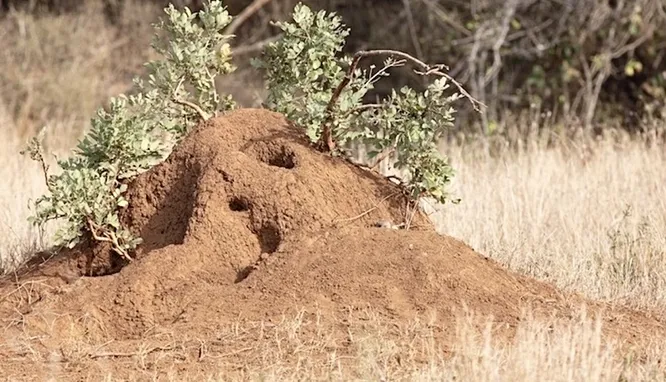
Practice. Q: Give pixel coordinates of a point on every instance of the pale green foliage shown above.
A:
(120, 138)
(138, 130)
(303, 69)
(194, 55)
(410, 123)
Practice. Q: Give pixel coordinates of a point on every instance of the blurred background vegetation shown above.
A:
(576, 63)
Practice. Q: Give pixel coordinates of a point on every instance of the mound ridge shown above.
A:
(244, 219)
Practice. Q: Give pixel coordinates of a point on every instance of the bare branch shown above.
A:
(195, 107)
(35, 151)
(439, 12)
(251, 48)
(381, 157)
(108, 237)
(244, 15)
(501, 38)
(634, 44)
(368, 106)
(412, 29)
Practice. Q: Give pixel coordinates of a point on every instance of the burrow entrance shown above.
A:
(274, 154)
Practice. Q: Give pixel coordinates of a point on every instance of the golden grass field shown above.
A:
(588, 215)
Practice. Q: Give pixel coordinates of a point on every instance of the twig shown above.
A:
(34, 149)
(110, 238)
(367, 211)
(381, 157)
(45, 170)
(230, 354)
(326, 141)
(195, 107)
(130, 354)
(244, 15)
(412, 29)
(499, 42)
(438, 11)
(408, 221)
(633, 45)
(259, 45)
(22, 286)
(368, 107)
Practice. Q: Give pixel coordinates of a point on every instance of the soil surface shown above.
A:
(246, 223)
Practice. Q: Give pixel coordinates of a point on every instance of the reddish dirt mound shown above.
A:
(244, 219)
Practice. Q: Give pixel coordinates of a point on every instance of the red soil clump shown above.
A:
(245, 220)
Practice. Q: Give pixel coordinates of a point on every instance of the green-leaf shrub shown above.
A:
(303, 70)
(138, 130)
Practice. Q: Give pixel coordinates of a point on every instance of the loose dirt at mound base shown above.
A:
(245, 223)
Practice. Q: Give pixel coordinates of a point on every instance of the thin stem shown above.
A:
(35, 149)
(408, 222)
(382, 156)
(368, 106)
(195, 107)
(191, 105)
(366, 211)
(108, 237)
(244, 16)
(45, 169)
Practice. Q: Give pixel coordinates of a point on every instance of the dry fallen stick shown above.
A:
(367, 211)
(22, 287)
(131, 354)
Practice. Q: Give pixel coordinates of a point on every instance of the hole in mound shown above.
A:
(239, 204)
(99, 260)
(285, 158)
(275, 154)
(269, 238)
(243, 273)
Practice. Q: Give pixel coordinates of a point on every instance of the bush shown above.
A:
(138, 130)
(313, 86)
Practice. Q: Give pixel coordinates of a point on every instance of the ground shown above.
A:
(261, 258)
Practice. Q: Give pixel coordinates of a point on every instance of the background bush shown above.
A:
(592, 61)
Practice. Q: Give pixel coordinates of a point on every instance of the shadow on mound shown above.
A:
(245, 219)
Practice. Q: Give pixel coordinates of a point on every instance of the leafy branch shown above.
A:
(327, 138)
(307, 81)
(138, 130)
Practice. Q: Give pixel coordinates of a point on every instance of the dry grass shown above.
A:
(306, 347)
(588, 219)
(21, 183)
(556, 213)
(62, 68)
(55, 71)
